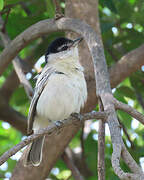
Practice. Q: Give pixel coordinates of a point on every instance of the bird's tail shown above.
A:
(34, 153)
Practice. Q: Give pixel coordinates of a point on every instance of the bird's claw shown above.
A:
(77, 116)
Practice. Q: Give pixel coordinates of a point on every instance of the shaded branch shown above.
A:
(13, 117)
(70, 164)
(101, 146)
(128, 64)
(50, 130)
(82, 142)
(131, 162)
(125, 107)
(126, 133)
(101, 151)
(17, 65)
(3, 29)
(58, 11)
(8, 87)
(80, 162)
(140, 99)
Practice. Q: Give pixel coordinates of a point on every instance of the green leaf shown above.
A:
(7, 2)
(110, 4)
(1, 4)
(127, 91)
(132, 1)
(106, 26)
(50, 8)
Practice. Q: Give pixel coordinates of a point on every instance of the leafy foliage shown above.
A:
(122, 31)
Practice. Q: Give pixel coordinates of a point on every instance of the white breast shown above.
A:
(62, 96)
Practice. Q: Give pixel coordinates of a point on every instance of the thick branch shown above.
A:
(11, 116)
(8, 87)
(128, 64)
(48, 26)
(50, 130)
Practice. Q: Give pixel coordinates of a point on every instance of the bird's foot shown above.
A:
(77, 116)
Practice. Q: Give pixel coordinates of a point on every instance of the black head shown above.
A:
(60, 44)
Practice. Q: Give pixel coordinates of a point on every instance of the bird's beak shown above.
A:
(77, 41)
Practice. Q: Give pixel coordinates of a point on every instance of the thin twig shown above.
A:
(25, 7)
(140, 99)
(134, 167)
(101, 147)
(6, 20)
(126, 133)
(17, 64)
(82, 142)
(70, 164)
(58, 10)
(111, 52)
(50, 130)
(125, 107)
(81, 163)
(12, 5)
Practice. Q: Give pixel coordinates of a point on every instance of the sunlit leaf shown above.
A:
(1, 4)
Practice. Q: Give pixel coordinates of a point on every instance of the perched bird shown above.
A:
(60, 91)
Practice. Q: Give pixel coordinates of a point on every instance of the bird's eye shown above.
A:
(64, 48)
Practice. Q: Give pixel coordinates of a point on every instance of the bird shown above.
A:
(60, 91)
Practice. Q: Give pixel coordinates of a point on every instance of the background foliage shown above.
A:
(122, 30)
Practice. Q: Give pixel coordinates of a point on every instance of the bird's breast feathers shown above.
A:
(64, 94)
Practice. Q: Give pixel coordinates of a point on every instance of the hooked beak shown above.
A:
(77, 41)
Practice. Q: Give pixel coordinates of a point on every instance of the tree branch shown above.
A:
(101, 151)
(128, 64)
(51, 130)
(101, 147)
(17, 65)
(70, 164)
(8, 87)
(13, 117)
(125, 107)
(58, 11)
(126, 133)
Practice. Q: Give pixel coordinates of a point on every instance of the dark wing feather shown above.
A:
(41, 83)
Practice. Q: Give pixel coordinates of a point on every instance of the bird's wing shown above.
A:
(41, 83)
